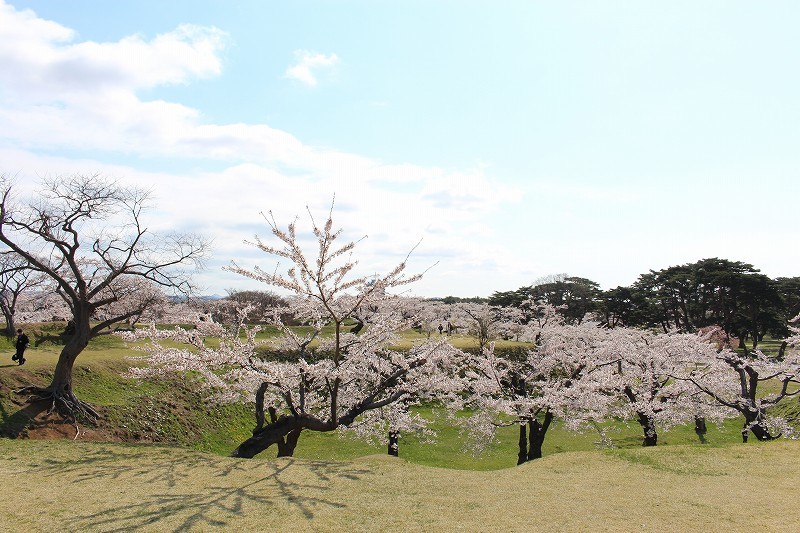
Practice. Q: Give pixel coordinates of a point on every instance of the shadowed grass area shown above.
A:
(91, 486)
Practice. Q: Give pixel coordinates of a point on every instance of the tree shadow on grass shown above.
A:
(176, 495)
(15, 425)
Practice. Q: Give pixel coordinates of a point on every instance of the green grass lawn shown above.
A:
(447, 450)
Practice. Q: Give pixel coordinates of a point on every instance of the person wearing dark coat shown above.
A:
(22, 343)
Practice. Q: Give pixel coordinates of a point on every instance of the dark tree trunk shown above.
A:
(522, 456)
(284, 432)
(761, 432)
(62, 376)
(754, 422)
(782, 350)
(60, 392)
(393, 448)
(287, 445)
(537, 433)
(268, 435)
(700, 428)
(11, 327)
(649, 428)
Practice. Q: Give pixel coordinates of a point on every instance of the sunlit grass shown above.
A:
(77, 486)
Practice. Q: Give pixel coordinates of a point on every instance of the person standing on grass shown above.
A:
(22, 343)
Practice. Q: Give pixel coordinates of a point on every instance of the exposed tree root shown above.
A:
(62, 402)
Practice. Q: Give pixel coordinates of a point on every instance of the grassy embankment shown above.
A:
(174, 412)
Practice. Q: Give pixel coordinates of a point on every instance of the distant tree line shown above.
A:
(685, 298)
(458, 300)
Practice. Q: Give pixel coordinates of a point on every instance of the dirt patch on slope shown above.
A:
(24, 420)
(43, 425)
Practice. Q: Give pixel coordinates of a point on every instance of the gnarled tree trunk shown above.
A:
(11, 327)
(60, 392)
(284, 432)
(754, 422)
(531, 438)
(700, 428)
(649, 428)
(522, 456)
(537, 431)
(287, 445)
(393, 448)
(273, 433)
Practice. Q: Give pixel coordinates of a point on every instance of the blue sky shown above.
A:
(516, 139)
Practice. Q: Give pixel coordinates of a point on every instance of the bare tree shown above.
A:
(86, 234)
(16, 277)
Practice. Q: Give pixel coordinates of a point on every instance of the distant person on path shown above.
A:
(22, 343)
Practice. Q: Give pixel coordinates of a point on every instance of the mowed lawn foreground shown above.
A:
(84, 486)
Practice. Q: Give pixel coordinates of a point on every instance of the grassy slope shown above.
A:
(173, 413)
(91, 486)
(167, 411)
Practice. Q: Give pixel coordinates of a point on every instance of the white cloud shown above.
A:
(306, 62)
(40, 62)
(85, 95)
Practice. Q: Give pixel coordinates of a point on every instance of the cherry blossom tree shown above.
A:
(262, 303)
(42, 305)
(645, 363)
(482, 321)
(732, 379)
(557, 378)
(526, 321)
(431, 315)
(16, 279)
(793, 340)
(132, 300)
(323, 382)
(582, 375)
(86, 234)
